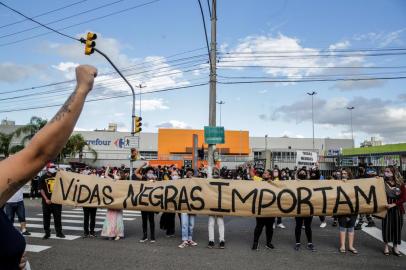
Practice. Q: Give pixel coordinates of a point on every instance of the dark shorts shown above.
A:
(15, 208)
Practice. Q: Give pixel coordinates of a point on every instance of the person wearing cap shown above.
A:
(46, 184)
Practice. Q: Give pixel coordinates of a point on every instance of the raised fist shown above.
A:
(85, 75)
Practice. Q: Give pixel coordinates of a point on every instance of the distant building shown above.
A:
(372, 142)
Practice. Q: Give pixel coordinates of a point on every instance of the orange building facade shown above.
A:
(176, 145)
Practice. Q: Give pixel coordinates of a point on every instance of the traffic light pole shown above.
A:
(213, 81)
(133, 93)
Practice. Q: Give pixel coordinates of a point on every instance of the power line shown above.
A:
(314, 80)
(62, 19)
(35, 21)
(320, 50)
(205, 32)
(307, 67)
(80, 23)
(45, 13)
(105, 98)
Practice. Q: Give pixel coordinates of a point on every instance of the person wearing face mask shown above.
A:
(316, 175)
(277, 176)
(113, 225)
(307, 221)
(147, 216)
(393, 222)
(168, 219)
(262, 222)
(347, 223)
(220, 223)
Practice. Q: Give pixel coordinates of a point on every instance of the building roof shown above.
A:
(382, 149)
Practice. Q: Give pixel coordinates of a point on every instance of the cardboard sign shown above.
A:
(223, 197)
(306, 158)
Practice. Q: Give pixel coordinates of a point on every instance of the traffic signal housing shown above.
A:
(137, 124)
(90, 43)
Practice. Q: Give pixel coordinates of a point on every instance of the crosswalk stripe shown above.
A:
(101, 212)
(53, 236)
(35, 248)
(97, 217)
(67, 228)
(377, 234)
(63, 220)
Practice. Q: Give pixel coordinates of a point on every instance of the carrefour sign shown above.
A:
(119, 143)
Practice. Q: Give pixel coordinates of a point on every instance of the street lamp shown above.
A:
(266, 147)
(352, 130)
(312, 94)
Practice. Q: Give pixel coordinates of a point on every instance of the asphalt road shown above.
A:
(164, 254)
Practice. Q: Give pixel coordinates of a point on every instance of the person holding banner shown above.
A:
(302, 174)
(277, 176)
(393, 222)
(267, 222)
(44, 146)
(347, 223)
(113, 225)
(188, 224)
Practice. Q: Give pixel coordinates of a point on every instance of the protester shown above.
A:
(34, 192)
(393, 222)
(46, 184)
(261, 222)
(316, 175)
(347, 223)
(168, 219)
(147, 216)
(370, 172)
(44, 146)
(302, 174)
(188, 224)
(113, 226)
(220, 224)
(277, 176)
(15, 205)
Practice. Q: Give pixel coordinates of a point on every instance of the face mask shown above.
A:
(175, 177)
(275, 174)
(388, 174)
(151, 176)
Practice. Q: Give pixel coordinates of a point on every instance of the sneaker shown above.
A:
(280, 225)
(323, 225)
(371, 224)
(184, 244)
(311, 247)
(93, 235)
(143, 240)
(334, 223)
(170, 235)
(255, 246)
(117, 238)
(26, 233)
(60, 235)
(274, 226)
(297, 246)
(152, 241)
(222, 245)
(46, 236)
(31, 199)
(303, 227)
(85, 236)
(192, 243)
(358, 226)
(211, 244)
(269, 246)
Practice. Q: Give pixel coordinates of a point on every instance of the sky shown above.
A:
(161, 45)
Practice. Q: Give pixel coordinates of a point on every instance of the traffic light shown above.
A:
(134, 154)
(90, 43)
(137, 124)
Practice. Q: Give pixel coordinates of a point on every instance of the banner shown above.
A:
(224, 197)
(306, 158)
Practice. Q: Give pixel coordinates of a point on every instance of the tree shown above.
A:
(76, 145)
(29, 130)
(5, 141)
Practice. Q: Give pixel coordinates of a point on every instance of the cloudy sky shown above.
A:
(287, 48)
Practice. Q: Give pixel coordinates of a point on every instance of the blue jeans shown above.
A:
(188, 223)
(14, 208)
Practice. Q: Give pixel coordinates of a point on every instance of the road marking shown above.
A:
(64, 220)
(102, 212)
(68, 228)
(377, 234)
(97, 217)
(53, 236)
(36, 248)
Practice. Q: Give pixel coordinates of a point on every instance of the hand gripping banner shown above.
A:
(225, 197)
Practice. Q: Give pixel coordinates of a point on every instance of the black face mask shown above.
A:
(301, 176)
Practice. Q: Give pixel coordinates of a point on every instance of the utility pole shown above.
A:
(312, 94)
(352, 130)
(213, 81)
(221, 102)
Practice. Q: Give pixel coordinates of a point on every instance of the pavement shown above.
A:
(98, 253)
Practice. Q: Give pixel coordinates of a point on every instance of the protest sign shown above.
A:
(306, 158)
(223, 197)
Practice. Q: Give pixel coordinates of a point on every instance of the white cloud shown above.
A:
(339, 45)
(11, 72)
(382, 39)
(264, 91)
(173, 124)
(152, 104)
(67, 68)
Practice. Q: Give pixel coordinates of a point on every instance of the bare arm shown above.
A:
(18, 169)
(138, 171)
